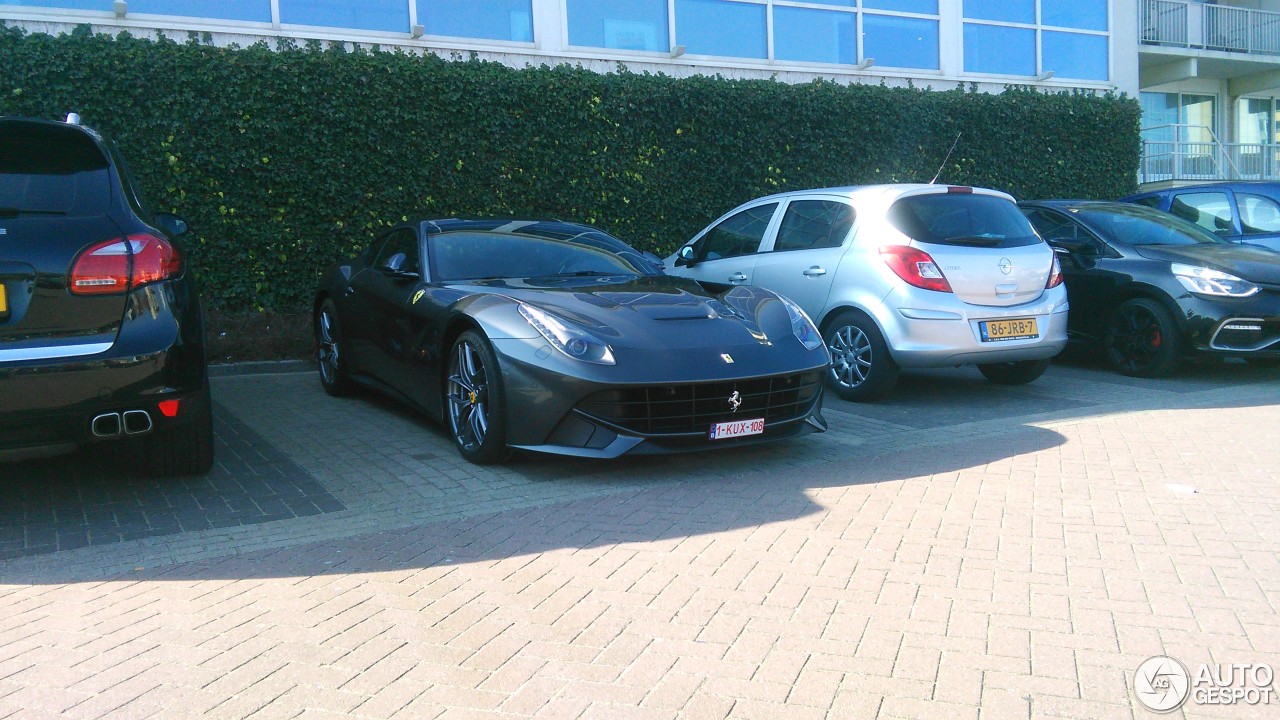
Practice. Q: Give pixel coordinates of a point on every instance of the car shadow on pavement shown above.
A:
(937, 425)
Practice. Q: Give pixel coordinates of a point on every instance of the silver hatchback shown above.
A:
(897, 276)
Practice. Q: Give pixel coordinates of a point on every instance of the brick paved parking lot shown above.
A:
(962, 550)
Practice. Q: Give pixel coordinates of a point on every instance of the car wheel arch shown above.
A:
(835, 311)
(1150, 292)
(452, 331)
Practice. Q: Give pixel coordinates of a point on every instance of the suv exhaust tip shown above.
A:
(137, 422)
(106, 425)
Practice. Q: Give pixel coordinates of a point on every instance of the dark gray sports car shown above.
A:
(559, 338)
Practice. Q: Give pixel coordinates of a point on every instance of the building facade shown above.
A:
(1207, 73)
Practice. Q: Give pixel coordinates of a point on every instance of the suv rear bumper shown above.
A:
(49, 404)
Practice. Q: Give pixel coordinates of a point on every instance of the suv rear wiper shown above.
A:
(12, 212)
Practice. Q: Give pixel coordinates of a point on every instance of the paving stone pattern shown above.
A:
(960, 551)
(99, 497)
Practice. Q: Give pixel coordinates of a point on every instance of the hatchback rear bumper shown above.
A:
(950, 336)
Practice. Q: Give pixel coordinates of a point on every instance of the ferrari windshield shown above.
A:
(471, 255)
(1138, 225)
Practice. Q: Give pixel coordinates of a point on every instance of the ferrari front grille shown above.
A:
(688, 409)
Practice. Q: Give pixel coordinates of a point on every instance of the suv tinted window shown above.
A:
(51, 169)
(962, 219)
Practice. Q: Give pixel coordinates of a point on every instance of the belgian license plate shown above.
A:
(1016, 329)
(4, 301)
(737, 428)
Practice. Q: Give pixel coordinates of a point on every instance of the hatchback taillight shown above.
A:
(1055, 274)
(916, 267)
(113, 266)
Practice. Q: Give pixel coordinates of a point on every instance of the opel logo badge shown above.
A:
(735, 401)
(1006, 266)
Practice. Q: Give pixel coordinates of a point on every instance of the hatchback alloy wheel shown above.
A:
(861, 367)
(850, 356)
(1141, 339)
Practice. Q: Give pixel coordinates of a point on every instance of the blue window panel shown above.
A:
(924, 7)
(999, 50)
(493, 20)
(619, 24)
(247, 10)
(814, 35)
(1074, 55)
(388, 15)
(715, 27)
(1082, 14)
(1022, 11)
(900, 42)
(73, 4)
(841, 3)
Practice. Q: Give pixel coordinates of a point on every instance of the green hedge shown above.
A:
(286, 160)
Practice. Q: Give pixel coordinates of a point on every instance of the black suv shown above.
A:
(101, 328)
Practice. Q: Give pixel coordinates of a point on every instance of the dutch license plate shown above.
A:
(737, 428)
(1016, 329)
(4, 301)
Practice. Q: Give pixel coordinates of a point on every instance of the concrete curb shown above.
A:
(262, 367)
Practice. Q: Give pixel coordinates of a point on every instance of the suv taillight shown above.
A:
(1055, 274)
(915, 267)
(109, 266)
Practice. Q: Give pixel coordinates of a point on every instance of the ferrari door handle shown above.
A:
(737, 278)
(815, 271)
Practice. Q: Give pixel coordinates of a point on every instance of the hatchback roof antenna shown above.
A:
(945, 159)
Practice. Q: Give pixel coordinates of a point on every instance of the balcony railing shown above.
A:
(1169, 153)
(1212, 27)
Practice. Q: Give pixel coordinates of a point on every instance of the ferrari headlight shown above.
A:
(568, 338)
(1204, 281)
(801, 326)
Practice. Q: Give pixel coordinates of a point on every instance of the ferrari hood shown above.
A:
(656, 311)
(1249, 262)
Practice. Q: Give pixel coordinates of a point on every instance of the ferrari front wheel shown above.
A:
(476, 406)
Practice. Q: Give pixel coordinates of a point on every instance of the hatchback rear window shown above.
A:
(47, 169)
(962, 219)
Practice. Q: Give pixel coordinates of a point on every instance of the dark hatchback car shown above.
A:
(1152, 288)
(101, 328)
(1246, 212)
(558, 338)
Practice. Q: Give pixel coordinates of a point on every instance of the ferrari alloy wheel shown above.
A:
(1014, 373)
(473, 393)
(861, 368)
(1140, 339)
(333, 362)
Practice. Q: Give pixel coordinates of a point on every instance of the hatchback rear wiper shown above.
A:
(975, 240)
(12, 212)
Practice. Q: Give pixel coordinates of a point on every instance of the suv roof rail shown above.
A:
(73, 118)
